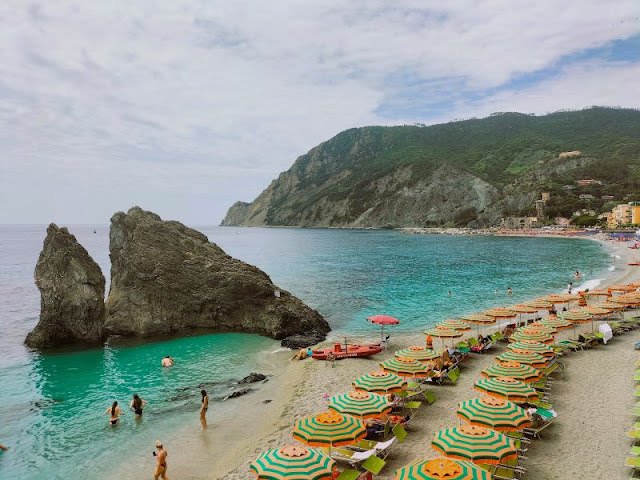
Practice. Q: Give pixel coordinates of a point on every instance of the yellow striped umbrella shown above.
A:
(541, 327)
(533, 347)
(507, 388)
(500, 313)
(493, 412)
(622, 288)
(609, 305)
(293, 463)
(597, 292)
(575, 316)
(360, 404)
(406, 367)
(540, 304)
(561, 298)
(329, 429)
(596, 311)
(516, 370)
(454, 324)
(534, 360)
(533, 335)
(475, 444)
(523, 309)
(419, 353)
(442, 469)
(557, 323)
(380, 382)
(443, 332)
(479, 318)
(629, 299)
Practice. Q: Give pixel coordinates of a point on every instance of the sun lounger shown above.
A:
(633, 462)
(419, 390)
(399, 432)
(635, 451)
(536, 431)
(634, 433)
(349, 474)
(352, 457)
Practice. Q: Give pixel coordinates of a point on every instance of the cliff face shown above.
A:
(71, 288)
(468, 173)
(166, 278)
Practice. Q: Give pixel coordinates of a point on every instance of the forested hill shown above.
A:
(466, 173)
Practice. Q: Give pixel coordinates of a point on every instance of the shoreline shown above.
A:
(302, 394)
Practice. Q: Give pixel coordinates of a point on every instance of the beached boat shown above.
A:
(340, 351)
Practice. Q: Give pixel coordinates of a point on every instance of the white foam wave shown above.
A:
(281, 349)
(590, 284)
(611, 268)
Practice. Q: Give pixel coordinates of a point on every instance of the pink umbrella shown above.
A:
(383, 320)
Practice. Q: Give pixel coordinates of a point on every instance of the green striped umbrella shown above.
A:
(455, 324)
(406, 367)
(493, 412)
(516, 370)
(532, 335)
(331, 429)
(532, 359)
(629, 299)
(575, 316)
(540, 304)
(360, 404)
(475, 444)
(557, 323)
(443, 332)
(561, 298)
(523, 309)
(622, 288)
(507, 388)
(293, 463)
(419, 353)
(500, 313)
(533, 347)
(549, 330)
(479, 318)
(610, 306)
(380, 382)
(442, 469)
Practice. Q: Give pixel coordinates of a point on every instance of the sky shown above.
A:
(184, 107)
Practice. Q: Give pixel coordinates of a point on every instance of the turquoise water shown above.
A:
(51, 404)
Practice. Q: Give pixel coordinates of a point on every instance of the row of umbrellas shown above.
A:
(480, 440)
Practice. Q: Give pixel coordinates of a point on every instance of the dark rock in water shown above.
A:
(238, 393)
(303, 340)
(71, 288)
(253, 378)
(168, 278)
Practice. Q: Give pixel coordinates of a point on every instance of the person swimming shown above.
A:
(161, 464)
(577, 274)
(115, 414)
(136, 405)
(204, 408)
(167, 361)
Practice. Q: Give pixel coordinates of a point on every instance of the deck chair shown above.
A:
(352, 457)
(373, 464)
(633, 462)
(384, 448)
(413, 407)
(635, 451)
(399, 432)
(499, 336)
(536, 431)
(349, 474)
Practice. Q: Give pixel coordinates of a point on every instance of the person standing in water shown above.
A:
(509, 292)
(161, 462)
(115, 414)
(203, 408)
(136, 405)
(167, 361)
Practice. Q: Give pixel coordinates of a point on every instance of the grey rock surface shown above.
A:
(167, 278)
(303, 340)
(71, 288)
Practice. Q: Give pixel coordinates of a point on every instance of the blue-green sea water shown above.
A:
(51, 403)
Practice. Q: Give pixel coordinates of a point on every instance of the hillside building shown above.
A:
(588, 182)
(625, 214)
(546, 196)
(586, 196)
(519, 223)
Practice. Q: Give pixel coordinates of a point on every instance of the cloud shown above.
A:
(186, 106)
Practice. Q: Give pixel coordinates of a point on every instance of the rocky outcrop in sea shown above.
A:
(71, 288)
(166, 278)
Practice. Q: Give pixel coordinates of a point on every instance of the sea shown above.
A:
(52, 403)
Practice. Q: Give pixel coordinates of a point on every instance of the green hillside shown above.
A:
(373, 170)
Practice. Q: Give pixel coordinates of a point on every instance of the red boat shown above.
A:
(340, 352)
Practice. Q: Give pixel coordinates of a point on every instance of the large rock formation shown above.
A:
(71, 287)
(168, 278)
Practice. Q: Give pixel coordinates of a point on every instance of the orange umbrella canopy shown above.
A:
(500, 313)
(478, 318)
(540, 304)
(454, 324)
(476, 444)
(629, 299)
(523, 309)
(516, 370)
(622, 288)
(595, 310)
(329, 429)
(493, 412)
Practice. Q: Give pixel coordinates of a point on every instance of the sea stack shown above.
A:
(71, 288)
(168, 278)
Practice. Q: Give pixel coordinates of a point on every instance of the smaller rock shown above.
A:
(303, 340)
(237, 393)
(253, 378)
(267, 401)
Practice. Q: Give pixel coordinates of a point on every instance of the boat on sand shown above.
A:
(345, 350)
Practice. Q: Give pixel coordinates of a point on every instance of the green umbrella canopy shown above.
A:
(442, 469)
(533, 347)
(516, 370)
(534, 360)
(360, 404)
(419, 353)
(293, 463)
(532, 335)
(406, 367)
(329, 429)
(507, 388)
(492, 412)
(475, 444)
(454, 324)
(380, 382)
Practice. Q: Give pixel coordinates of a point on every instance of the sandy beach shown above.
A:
(593, 399)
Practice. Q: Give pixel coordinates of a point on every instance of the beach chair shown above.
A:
(413, 407)
(353, 457)
(633, 462)
(399, 432)
(636, 412)
(349, 474)
(373, 464)
(536, 431)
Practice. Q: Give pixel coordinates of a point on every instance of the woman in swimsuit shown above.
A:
(161, 465)
(115, 414)
(136, 405)
(204, 408)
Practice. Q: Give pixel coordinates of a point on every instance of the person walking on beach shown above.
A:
(115, 414)
(570, 288)
(136, 405)
(203, 408)
(161, 462)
